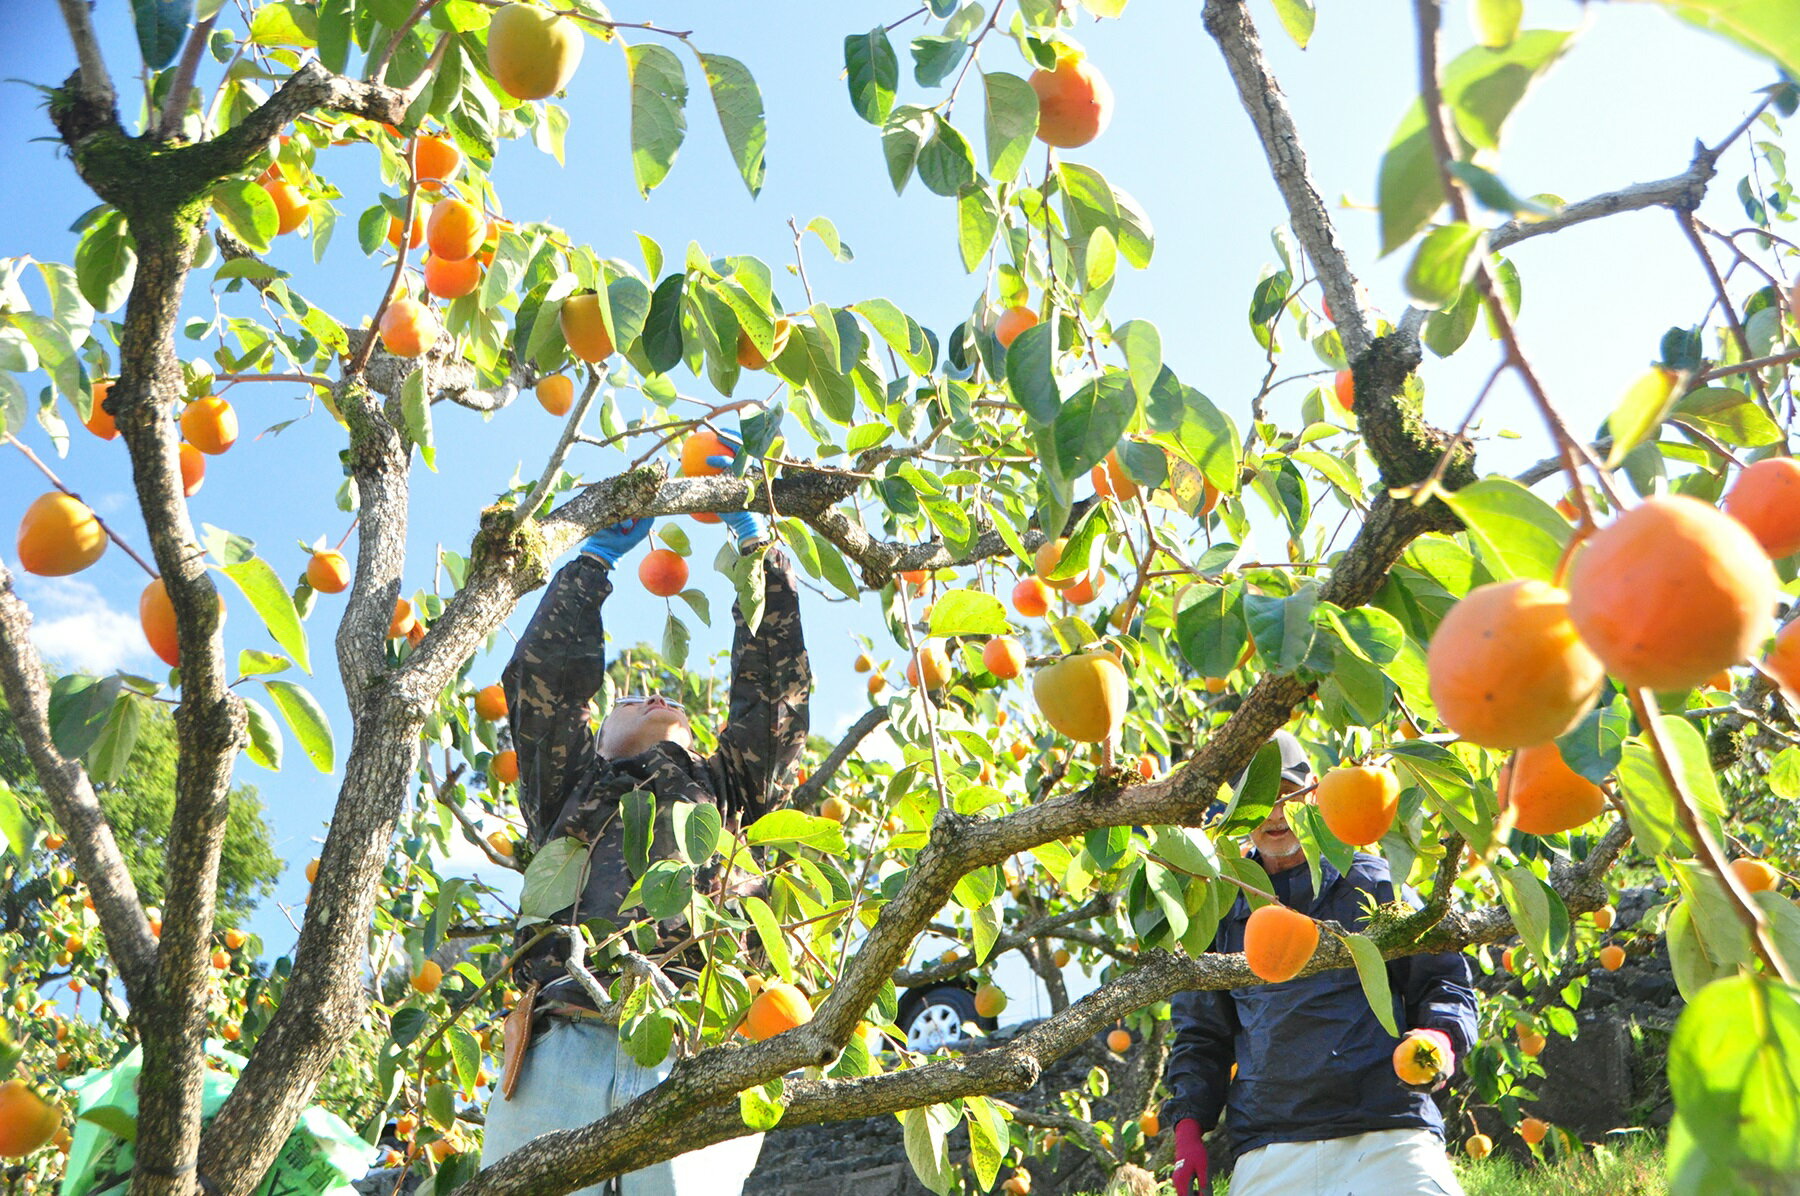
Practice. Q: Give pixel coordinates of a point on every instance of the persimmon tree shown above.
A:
(1041, 448)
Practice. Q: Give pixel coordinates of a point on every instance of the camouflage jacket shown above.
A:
(566, 788)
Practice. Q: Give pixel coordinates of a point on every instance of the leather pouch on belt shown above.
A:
(517, 1033)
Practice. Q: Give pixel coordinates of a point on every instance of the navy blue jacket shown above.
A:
(1313, 1063)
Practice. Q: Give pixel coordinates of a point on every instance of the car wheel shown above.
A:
(937, 1020)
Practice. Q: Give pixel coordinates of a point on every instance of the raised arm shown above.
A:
(771, 682)
(557, 666)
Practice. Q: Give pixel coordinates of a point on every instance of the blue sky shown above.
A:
(1624, 106)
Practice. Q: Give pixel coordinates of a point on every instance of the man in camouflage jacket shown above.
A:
(572, 783)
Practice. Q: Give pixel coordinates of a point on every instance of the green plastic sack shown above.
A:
(320, 1157)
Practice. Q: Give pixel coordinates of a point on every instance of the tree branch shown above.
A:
(806, 795)
(96, 84)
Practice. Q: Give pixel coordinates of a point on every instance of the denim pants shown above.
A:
(576, 1072)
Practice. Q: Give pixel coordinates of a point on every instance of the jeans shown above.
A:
(1382, 1163)
(576, 1072)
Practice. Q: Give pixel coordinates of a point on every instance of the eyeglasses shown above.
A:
(641, 699)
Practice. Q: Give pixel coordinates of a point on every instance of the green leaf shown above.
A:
(1031, 373)
(1765, 27)
(697, 826)
(762, 1107)
(977, 220)
(1516, 533)
(637, 825)
(162, 26)
(1371, 970)
(1210, 630)
(465, 1053)
(553, 879)
(273, 605)
(774, 943)
(106, 262)
(1497, 21)
(1142, 345)
(1298, 18)
(740, 106)
(873, 71)
(1734, 1071)
(12, 822)
(989, 1139)
(306, 719)
(946, 163)
(247, 212)
(968, 612)
(1444, 262)
(1481, 87)
(1640, 413)
(1012, 121)
(106, 760)
(78, 709)
(265, 744)
(658, 124)
(1728, 415)
(1092, 421)
(789, 828)
(935, 56)
(666, 889)
(926, 1132)
(901, 138)
(1537, 912)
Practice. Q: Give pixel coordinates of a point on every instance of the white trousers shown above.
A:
(1385, 1163)
(576, 1072)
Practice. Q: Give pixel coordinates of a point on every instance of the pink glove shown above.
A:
(1190, 1159)
(1443, 1040)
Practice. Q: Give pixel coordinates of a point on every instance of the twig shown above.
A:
(1685, 218)
(808, 790)
(106, 527)
(552, 467)
(175, 103)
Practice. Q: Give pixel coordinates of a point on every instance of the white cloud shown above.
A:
(72, 625)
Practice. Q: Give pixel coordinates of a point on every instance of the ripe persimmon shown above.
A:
(1074, 102)
(1082, 592)
(428, 977)
(663, 572)
(415, 233)
(408, 327)
(1358, 802)
(59, 535)
(1004, 657)
(1083, 696)
(1278, 942)
(1766, 500)
(531, 52)
(1783, 661)
(556, 394)
(1507, 667)
(1419, 1060)
(1671, 592)
(990, 1001)
(156, 614)
(99, 422)
(434, 161)
(402, 620)
(1478, 1146)
(933, 662)
(210, 425)
(1111, 481)
(834, 808)
(1531, 1042)
(505, 766)
(1532, 1130)
(877, 683)
(1031, 597)
(777, 1009)
(1548, 795)
(455, 230)
(1118, 1041)
(1612, 957)
(1604, 917)
(235, 938)
(583, 328)
(446, 279)
(27, 1120)
(697, 448)
(752, 358)
(1013, 321)
(1045, 561)
(193, 469)
(1755, 875)
(1343, 389)
(328, 572)
(863, 663)
(1149, 1124)
(291, 205)
(490, 702)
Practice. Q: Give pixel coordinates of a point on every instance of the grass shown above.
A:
(1632, 1167)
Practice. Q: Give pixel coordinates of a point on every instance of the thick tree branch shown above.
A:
(1229, 23)
(71, 796)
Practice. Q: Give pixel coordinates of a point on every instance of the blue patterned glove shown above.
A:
(610, 543)
(747, 526)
